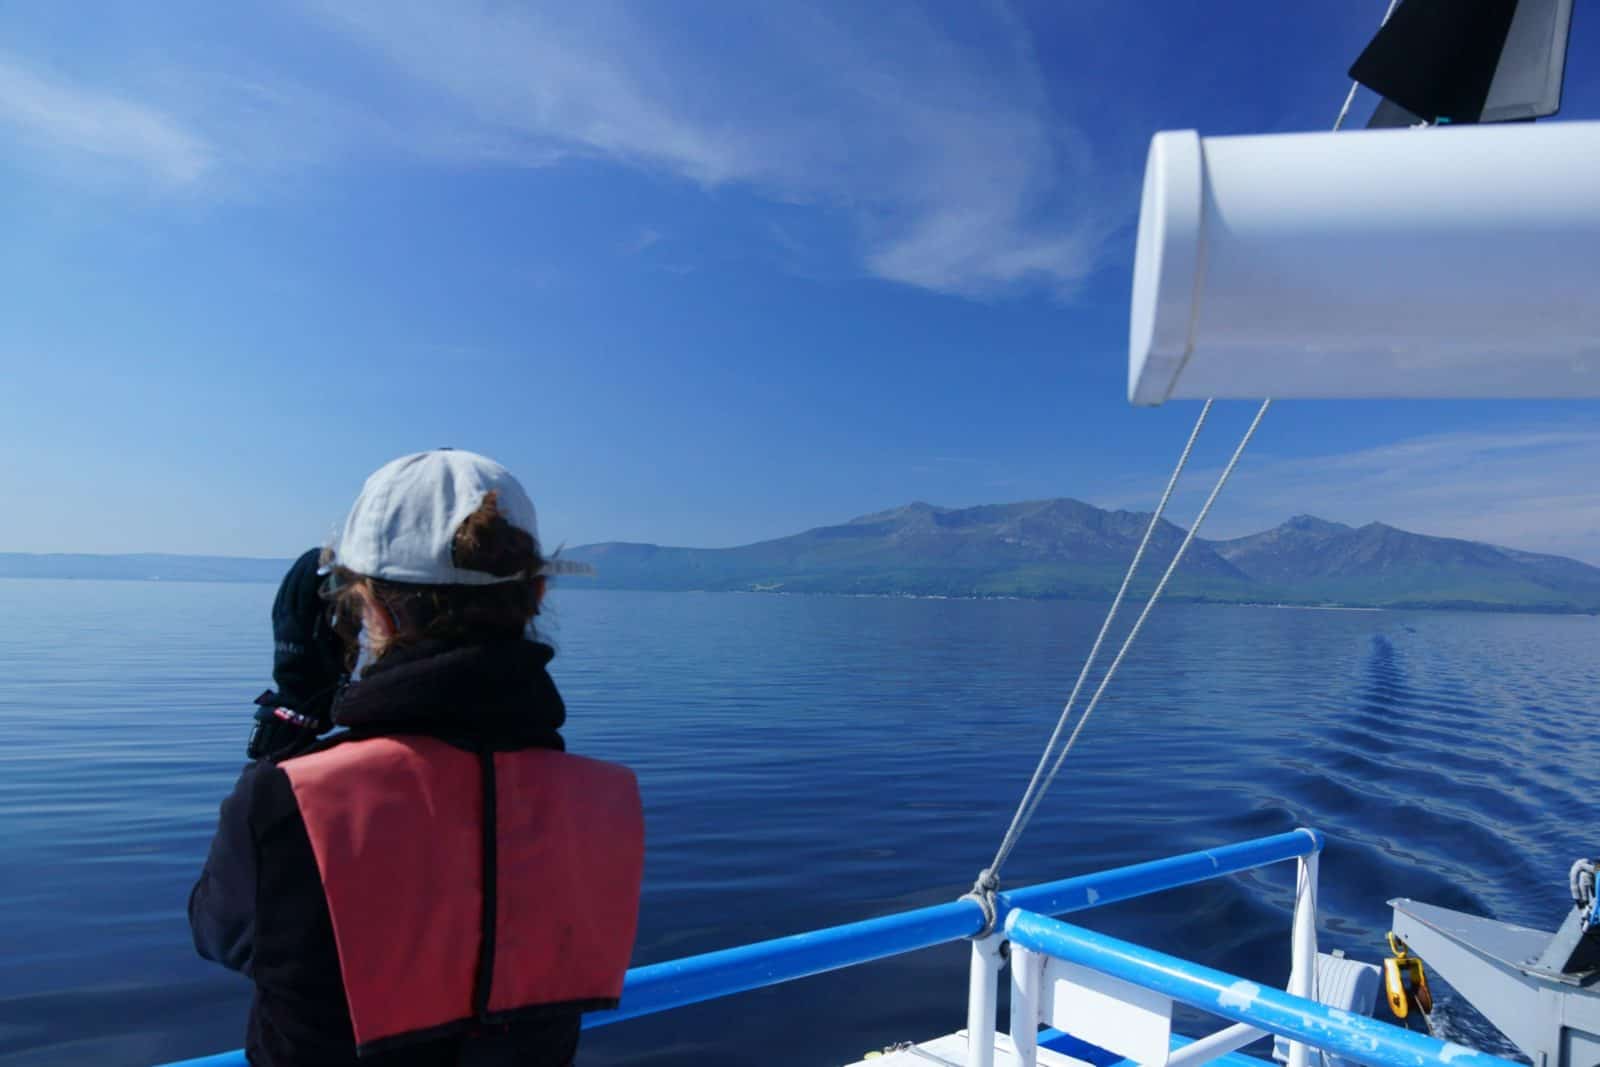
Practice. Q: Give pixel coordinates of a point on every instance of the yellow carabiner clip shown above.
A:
(1404, 980)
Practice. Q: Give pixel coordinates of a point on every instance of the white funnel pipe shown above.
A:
(1440, 262)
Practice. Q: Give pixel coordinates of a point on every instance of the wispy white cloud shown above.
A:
(1531, 488)
(100, 124)
(939, 144)
(204, 127)
(947, 156)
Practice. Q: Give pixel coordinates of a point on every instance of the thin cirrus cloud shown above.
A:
(937, 144)
(44, 109)
(1529, 488)
(944, 154)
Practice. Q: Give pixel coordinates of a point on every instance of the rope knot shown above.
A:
(983, 891)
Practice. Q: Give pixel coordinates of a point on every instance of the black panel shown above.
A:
(1457, 61)
(1437, 58)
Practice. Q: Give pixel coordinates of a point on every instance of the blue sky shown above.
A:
(699, 273)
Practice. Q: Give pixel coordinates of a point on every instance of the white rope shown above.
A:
(1349, 99)
(989, 878)
(1138, 624)
(1017, 819)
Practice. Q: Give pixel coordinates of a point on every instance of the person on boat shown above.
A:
(439, 882)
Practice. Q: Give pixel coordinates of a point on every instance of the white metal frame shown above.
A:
(1043, 992)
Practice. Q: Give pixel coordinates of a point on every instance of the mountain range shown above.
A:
(1040, 548)
(1066, 548)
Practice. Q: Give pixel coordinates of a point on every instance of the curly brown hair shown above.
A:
(456, 614)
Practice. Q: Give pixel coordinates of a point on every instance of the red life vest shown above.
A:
(409, 832)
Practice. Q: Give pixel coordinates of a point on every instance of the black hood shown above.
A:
(494, 695)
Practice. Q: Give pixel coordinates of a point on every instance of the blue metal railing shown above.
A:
(1342, 1033)
(661, 987)
(676, 983)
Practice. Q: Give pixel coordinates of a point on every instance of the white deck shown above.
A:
(951, 1050)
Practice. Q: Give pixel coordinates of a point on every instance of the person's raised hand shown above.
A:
(307, 664)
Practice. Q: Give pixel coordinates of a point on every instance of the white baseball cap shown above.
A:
(402, 527)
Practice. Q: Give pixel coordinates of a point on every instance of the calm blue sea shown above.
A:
(814, 760)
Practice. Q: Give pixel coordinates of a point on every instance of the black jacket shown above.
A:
(259, 907)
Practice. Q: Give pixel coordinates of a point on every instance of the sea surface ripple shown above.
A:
(807, 761)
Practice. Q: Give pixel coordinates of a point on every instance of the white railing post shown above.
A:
(983, 994)
(1303, 971)
(1027, 974)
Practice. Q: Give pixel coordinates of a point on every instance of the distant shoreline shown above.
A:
(564, 585)
(1341, 607)
(1457, 607)
(133, 579)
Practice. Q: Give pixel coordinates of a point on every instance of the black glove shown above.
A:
(307, 666)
